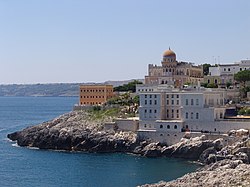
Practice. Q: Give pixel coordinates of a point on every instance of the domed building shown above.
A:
(172, 72)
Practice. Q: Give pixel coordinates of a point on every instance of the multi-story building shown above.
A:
(172, 72)
(166, 113)
(224, 73)
(95, 94)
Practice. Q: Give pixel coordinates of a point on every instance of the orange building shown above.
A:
(95, 94)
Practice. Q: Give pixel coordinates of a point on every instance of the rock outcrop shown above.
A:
(75, 131)
(223, 173)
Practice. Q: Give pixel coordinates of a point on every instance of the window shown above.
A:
(177, 96)
(192, 102)
(172, 96)
(186, 101)
(192, 115)
(177, 111)
(167, 102)
(175, 127)
(168, 127)
(186, 115)
(145, 96)
(167, 113)
(150, 96)
(177, 102)
(167, 96)
(145, 110)
(197, 101)
(150, 102)
(155, 96)
(155, 111)
(150, 111)
(146, 102)
(161, 126)
(197, 115)
(145, 126)
(172, 102)
(228, 69)
(155, 102)
(221, 115)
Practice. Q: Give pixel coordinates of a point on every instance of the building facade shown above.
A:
(223, 74)
(172, 72)
(95, 94)
(166, 114)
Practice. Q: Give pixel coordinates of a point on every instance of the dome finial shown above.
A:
(169, 48)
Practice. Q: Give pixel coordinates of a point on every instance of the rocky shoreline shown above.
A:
(77, 131)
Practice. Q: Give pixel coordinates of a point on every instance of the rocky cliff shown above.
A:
(75, 131)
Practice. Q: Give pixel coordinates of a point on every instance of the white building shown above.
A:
(165, 114)
(229, 69)
(224, 73)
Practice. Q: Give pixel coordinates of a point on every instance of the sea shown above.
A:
(22, 166)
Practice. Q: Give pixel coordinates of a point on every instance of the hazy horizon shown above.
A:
(64, 41)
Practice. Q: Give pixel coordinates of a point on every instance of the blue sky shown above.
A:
(46, 41)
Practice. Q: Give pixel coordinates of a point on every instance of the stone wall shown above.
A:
(167, 138)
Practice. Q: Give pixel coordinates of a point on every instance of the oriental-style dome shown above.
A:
(169, 53)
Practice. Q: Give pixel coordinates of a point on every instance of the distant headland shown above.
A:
(49, 89)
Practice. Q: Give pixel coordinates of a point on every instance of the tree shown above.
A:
(212, 85)
(242, 76)
(228, 84)
(131, 86)
(206, 68)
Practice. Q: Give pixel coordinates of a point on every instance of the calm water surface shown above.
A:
(32, 167)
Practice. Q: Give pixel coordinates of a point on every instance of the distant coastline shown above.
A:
(48, 90)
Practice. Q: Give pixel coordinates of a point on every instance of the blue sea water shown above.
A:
(20, 166)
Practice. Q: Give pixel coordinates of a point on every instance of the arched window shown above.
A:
(168, 127)
(197, 115)
(161, 126)
(175, 127)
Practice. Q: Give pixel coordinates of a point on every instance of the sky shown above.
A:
(68, 41)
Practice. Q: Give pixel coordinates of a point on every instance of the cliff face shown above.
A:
(75, 131)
